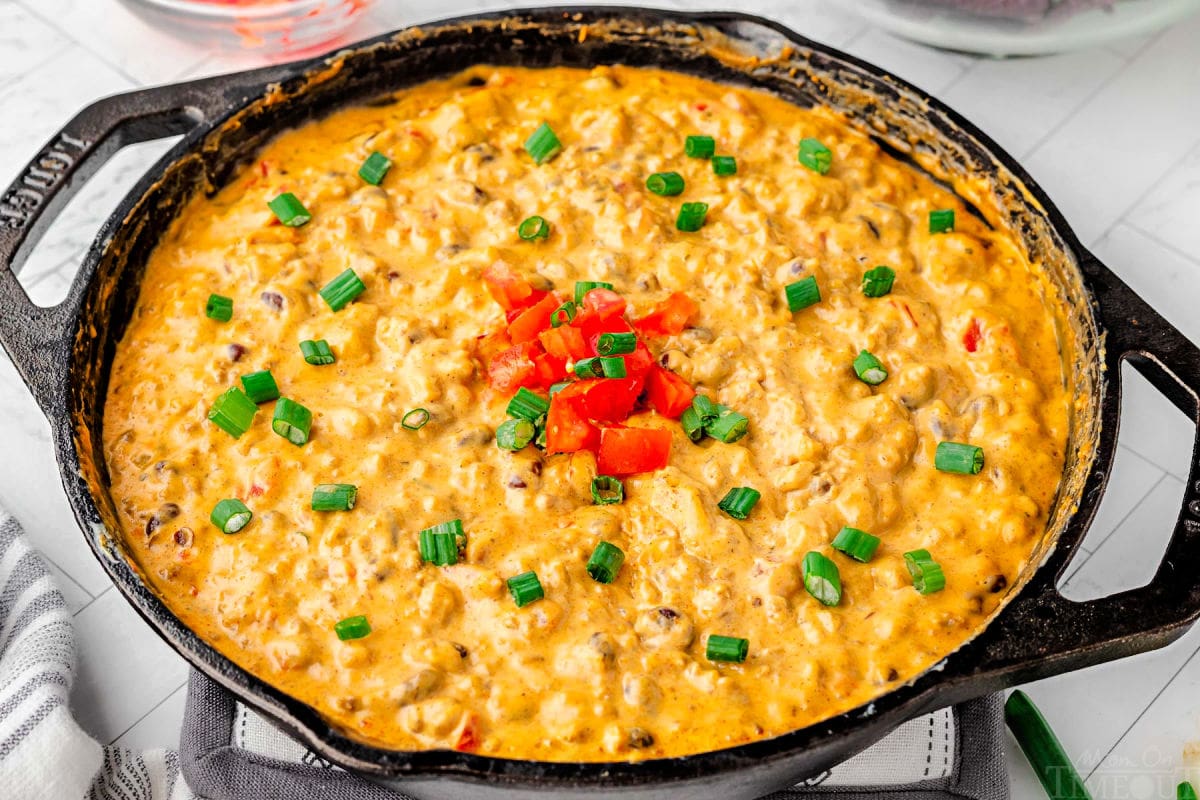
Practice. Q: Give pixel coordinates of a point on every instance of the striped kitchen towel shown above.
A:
(228, 752)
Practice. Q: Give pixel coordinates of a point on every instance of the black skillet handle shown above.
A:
(1041, 632)
(30, 333)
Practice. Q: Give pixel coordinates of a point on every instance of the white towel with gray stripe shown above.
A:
(228, 752)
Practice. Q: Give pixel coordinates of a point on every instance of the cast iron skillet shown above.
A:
(64, 352)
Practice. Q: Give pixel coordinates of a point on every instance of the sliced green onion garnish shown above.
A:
(233, 412)
(317, 353)
(859, 545)
(615, 344)
(869, 369)
(1044, 751)
(583, 287)
(334, 497)
(525, 588)
(878, 282)
(729, 426)
(926, 573)
(706, 409)
(965, 459)
(558, 387)
(533, 228)
(230, 515)
(607, 490)
(515, 434)
(739, 502)
(1184, 791)
(605, 562)
(437, 548)
(802, 294)
(941, 221)
(374, 168)
(563, 315)
(724, 165)
(821, 579)
(542, 145)
(342, 289)
(260, 386)
(612, 366)
(693, 426)
(589, 368)
(288, 209)
(726, 648)
(352, 628)
(292, 421)
(665, 184)
(415, 420)
(540, 439)
(691, 217)
(700, 146)
(815, 155)
(527, 405)
(219, 308)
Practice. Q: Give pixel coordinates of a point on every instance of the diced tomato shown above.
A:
(599, 304)
(624, 451)
(489, 345)
(549, 369)
(609, 399)
(669, 394)
(565, 341)
(513, 368)
(669, 317)
(507, 287)
(567, 427)
(468, 739)
(594, 328)
(972, 336)
(533, 320)
(639, 362)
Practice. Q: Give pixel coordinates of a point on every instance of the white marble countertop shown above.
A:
(1113, 134)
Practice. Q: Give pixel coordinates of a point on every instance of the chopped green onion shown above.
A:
(342, 289)
(542, 144)
(558, 387)
(724, 166)
(288, 209)
(941, 221)
(260, 386)
(802, 294)
(515, 434)
(589, 368)
(815, 155)
(374, 168)
(534, 227)
(859, 545)
(665, 184)
(926, 573)
(334, 497)
(739, 502)
(540, 439)
(415, 420)
(525, 588)
(612, 366)
(436, 548)
(691, 217)
(317, 353)
(607, 490)
(700, 146)
(563, 315)
(583, 287)
(1185, 792)
(527, 405)
(965, 459)
(233, 412)
(219, 308)
(1042, 748)
(352, 628)
(292, 421)
(605, 562)
(726, 648)
(728, 427)
(878, 282)
(706, 409)
(615, 344)
(869, 369)
(230, 515)
(693, 426)
(821, 579)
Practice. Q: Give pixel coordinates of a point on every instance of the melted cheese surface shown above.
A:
(592, 672)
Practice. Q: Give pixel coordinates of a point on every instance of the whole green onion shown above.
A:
(1043, 749)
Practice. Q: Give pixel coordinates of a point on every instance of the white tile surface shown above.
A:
(1113, 134)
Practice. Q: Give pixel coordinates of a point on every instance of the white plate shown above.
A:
(957, 30)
